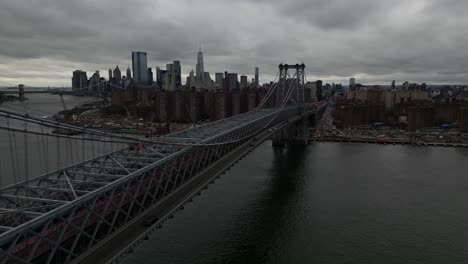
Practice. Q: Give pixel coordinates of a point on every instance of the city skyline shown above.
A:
(401, 40)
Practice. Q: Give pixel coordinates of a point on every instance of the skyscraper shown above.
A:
(117, 74)
(191, 79)
(110, 74)
(200, 67)
(319, 90)
(352, 83)
(159, 77)
(140, 67)
(94, 81)
(243, 82)
(232, 81)
(177, 74)
(170, 78)
(150, 76)
(79, 80)
(219, 79)
(129, 73)
(256, 77)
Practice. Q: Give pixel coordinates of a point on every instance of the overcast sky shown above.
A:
(376, 41)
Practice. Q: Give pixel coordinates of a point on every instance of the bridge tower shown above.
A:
(283, 75)
(303, 130)
(21, 92)
(300, 131)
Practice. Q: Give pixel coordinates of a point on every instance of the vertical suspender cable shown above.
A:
(58, 152)
(70, 143)
(40, 157)
(12, 154)
(1, 172)
(46, 150)
(92, 150)
(26, 152)
(25, 144)
(83, 147)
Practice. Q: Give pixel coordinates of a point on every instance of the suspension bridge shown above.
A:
(83, 211)
(97, 90)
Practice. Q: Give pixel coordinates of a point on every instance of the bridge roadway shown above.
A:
(117, 247)
(63, 216)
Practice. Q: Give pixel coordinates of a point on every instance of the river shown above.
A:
(327, 203)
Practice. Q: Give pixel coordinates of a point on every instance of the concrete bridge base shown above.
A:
(294, 134)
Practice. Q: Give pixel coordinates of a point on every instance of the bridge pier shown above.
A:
(278, 141)
(294, 134)
(21, 92)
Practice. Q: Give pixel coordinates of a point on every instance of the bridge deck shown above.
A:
(41, 215)
(26, 201)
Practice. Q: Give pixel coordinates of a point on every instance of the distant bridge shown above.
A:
(13, 92)
(93, 90)
(92, 211)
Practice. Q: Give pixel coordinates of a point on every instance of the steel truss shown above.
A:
(56, 217)
(298, 84)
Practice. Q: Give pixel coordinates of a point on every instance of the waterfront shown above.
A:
(45, 154)
(329, 203)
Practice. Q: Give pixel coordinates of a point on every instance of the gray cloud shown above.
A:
(41, 42)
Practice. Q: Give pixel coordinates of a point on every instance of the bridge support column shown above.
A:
(300, 132)
(278, 141)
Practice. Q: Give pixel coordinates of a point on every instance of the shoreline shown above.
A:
(388, 142)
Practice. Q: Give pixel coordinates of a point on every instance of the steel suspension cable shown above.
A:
(12, 154)
(269, 92)
(45, 140)
(55, 124)
(40, 157)
(26, 152)
(58, 153)
(65, 136)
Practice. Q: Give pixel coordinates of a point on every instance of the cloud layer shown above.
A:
(42, 42)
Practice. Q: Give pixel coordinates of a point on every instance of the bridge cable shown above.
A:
(8, 83)
(284, 103)
(1, 173)
(269, 92)
(83, 147)
(267, 96)
(46, 135)
(39, 152)
(26, 143)
(93, 153)
(95, 132)
(26, 152)
(12, 154)
(123, 139)
(46, 139)
(15, 147)
(58, 152)
(70, 150)
(60, 125)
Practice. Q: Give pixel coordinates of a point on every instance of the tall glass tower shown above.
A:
(140, 67)
(200, 66)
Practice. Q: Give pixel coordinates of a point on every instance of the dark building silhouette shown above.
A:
(150, 76)
(319, 91)
(79, 80)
